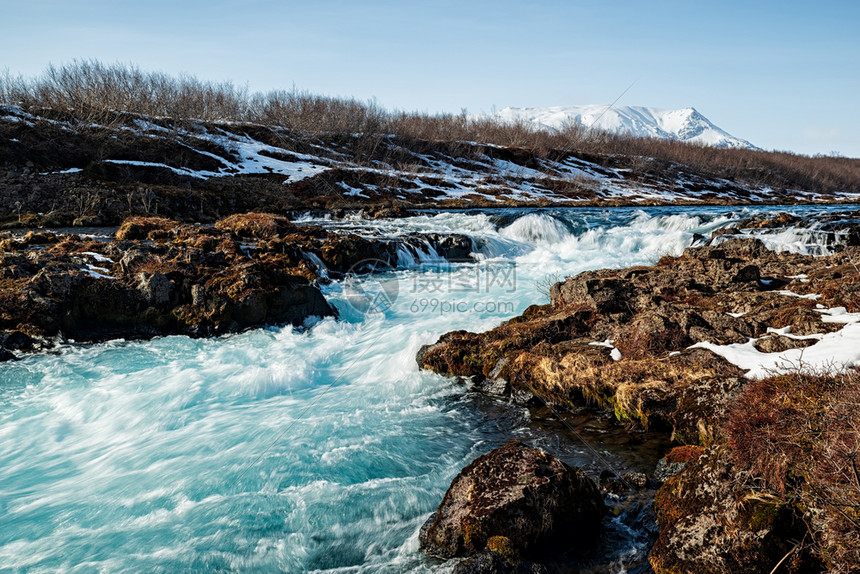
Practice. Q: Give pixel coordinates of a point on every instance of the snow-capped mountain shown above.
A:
(685, 124)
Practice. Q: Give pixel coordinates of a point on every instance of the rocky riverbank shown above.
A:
(157, 276)
(673, 346)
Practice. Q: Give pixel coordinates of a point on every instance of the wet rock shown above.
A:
(493, 563)
(779, 220)
(517, 492)
(675, 461)
(57, 280)
(747, 273)
(636, 479)
(525, 398)
(453, 247)
(355, 253)
(163, 277)
(620, 338)
(389, 212)
(198, 295)
(611, 482)
(498, 387)
(163, 284)
(6, 355)
(18, 341)
(155, 288)
(606, 295)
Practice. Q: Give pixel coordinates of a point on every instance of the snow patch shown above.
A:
(608, 343)
(837, 350)
(811, 296)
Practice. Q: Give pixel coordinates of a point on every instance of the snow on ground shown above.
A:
(812, 296)
(608, 343)
(97, 256)
(176, 170)
(435, 176)
(833, 351)
(254, 161)
(97, 272)
(70, 170)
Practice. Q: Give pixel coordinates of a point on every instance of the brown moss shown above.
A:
(256, 225)
(797, 434)
(142, 227)
(503, 546)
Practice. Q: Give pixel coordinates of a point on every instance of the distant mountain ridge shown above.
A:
(685, 124)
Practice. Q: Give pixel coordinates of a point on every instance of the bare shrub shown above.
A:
(93, 92)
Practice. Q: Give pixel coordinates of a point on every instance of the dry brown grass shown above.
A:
(107, 94)
(142, 227)
(256, 225)
(799, 435)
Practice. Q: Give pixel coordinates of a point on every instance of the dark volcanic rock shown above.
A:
(652, 315)
(494, 563)
(519, 493)
(162, 277)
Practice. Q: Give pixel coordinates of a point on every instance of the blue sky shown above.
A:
(783, 75)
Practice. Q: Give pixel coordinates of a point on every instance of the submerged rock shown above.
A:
(520, 493)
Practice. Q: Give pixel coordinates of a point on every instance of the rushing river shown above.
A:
(317, 449)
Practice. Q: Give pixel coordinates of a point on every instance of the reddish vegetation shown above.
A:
(87, 114)
(800, 435)
(681, 454)
(92, 92)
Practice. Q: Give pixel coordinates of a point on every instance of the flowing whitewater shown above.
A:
(320, 449)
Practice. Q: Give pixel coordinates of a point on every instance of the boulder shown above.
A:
(711, 523)
(517, 492)
(454, 247)
(155, 288)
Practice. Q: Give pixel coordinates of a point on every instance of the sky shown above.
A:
(782, 75)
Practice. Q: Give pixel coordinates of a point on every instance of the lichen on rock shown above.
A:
(511, 501)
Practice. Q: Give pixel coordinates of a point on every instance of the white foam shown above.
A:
(536, 228)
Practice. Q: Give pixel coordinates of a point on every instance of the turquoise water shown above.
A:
(319, 449)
